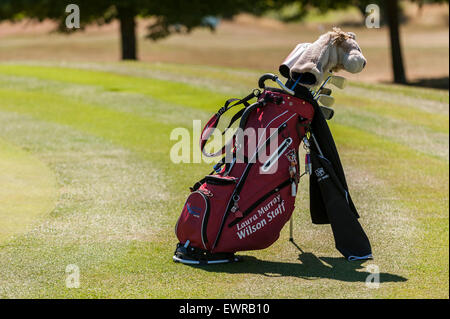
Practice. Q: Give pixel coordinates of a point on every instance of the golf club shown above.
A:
(328, 112)
(325, 91)
(323, 84)
(325, 99)
(336, 80)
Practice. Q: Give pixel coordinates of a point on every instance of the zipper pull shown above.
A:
(292, 170)
(235, 208)
(308, 166)
(293, 189)
(292, 163)
(292, 173)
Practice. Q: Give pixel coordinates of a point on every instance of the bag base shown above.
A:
(196, 256)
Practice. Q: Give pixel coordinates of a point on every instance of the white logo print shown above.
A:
(319, 172)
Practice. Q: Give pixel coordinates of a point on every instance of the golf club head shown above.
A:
(325, 91)
(327, 112)
(325, 99)
(317, 92)
(338, 81)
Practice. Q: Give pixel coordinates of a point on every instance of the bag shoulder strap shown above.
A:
(214, 121)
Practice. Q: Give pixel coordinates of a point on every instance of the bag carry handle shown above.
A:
(273, 77)
(211, 125)
(214, 120)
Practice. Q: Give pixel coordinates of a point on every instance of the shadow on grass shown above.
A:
(436, 83)
(433, 83)
(310, 267)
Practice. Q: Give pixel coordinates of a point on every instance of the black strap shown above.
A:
(244, 101)
(236, 117)
(214, 121)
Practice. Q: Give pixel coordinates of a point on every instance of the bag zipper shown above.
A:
(205, 219)
(276, 155)
(218, 180)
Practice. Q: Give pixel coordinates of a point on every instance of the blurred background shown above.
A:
(414, 34)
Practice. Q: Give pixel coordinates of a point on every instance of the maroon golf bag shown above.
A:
(245, 202)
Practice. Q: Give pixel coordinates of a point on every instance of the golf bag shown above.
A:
(250, 195)
(243, 205)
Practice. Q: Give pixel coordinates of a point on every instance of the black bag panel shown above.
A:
(323, 136)
(349, 236)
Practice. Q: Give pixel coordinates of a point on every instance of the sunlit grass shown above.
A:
(105, 134)
(27, 190)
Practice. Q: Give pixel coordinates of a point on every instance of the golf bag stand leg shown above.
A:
(291, 226)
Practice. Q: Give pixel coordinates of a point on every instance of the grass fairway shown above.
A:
(101, 130)
(27, 190)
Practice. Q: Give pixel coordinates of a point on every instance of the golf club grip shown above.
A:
(264, 77)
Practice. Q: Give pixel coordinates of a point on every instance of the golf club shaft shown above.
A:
(323, 84)
(317, 144)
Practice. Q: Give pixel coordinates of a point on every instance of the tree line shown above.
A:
(175, 16)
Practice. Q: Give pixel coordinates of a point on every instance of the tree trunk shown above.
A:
(392, 12)
(126, 16)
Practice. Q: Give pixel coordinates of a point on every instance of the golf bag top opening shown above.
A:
(306, 78)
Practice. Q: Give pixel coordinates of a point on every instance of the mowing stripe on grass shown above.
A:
(418, 138)
(163, 111)
(108, 199)
(417, 192)
(144, 135)
(181, 93)
(128, 102)
(418, 177)
(125, 128)
(217, 79)
(27, 190)
(414, 102)
(433, 121)
(408, 91)
(420, 186)
(168, 91)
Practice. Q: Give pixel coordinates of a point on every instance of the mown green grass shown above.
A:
(103, 129)
(27, 190)
(396, 110)
(167, 91)
(430, 94)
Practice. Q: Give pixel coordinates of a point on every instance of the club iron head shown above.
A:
(325, 91)
(325, 99)
(338, 81)
(327, 112)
